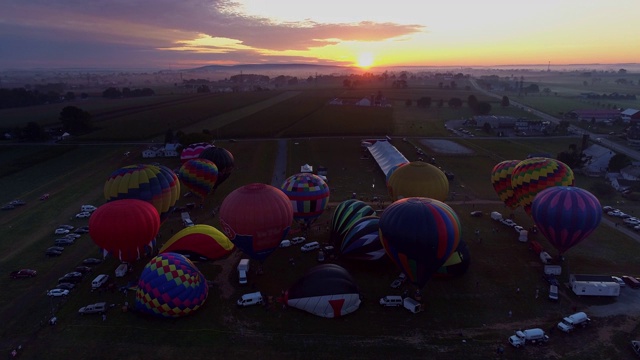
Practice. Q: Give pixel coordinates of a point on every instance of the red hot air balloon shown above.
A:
(256, 218)
(566, 215)
(124, 227)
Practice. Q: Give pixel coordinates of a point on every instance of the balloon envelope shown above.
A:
(345, 215)
(501, 181)
(200, 242)
(418, 179)
(256, 218)
(327, 290)
(124, 227)
(309, 195)
(457, 264)
(223, 160)
(362, 241)
(155, 184)
(533, 175)
(192, 151)
(419, 234)
(171, 286)
(199, 176)
(566, 215)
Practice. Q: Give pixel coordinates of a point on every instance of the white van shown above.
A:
(99, 281)
(250, 299)
(391, 300)
(412, 305)
(314, 245)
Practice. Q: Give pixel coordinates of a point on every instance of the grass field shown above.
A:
(471, 308)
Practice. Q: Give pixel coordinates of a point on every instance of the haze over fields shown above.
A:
(153, 35)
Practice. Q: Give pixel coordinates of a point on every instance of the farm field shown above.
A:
(465, 317)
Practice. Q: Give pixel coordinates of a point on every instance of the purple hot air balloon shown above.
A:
(566, 215)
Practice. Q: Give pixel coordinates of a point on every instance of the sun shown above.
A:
(365, 60)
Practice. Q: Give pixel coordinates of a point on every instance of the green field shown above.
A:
(472, 308)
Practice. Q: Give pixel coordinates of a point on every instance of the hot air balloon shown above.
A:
(256, 218)
(223, 160)
(199, 176)
(457, 264)
(391, 170)
(192, 151)
(327, 290)
(419, 234)
(362, 241)
(533, 175)
(155, 184)
(170, 286)
(345, 215)
(566, 215)
(418, 179)
(124, 227)
(501, 181)
(202, 242)
(309, 195)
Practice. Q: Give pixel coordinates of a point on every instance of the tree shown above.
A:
(74, 119)
(203, 89)
(483, 108)
(455, 103)
(424, 102)
(505, 101)
(34, 132)
(111, 93)
(346, 83)
(70, 95)
(408, 102)
(168, 137)
(472, 101)
(618, 162)
(486, 127)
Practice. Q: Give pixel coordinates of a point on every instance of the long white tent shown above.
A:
(386, 155)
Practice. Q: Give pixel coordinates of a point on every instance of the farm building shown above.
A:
(598, 115)
(386, 155)
(597, 160)
(630, 116)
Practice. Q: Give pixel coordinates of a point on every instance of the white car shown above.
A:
(61, 231)
(297, 240)
(619, 281)
(83, 215)
(518, 228)
(57, 292)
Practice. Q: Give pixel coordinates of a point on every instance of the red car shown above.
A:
(23, 273)
(631, 281)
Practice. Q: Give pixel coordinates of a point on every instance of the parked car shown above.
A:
(551, 279)
(23, 273)
(83, 269)
(44, 196)
(57, 292)
(91, 261)
(619, 281)
(61, 231)
(97, 308)
(63, 242)
(17, 202)
(631, 281)
(83, 215)
(88, 208)
(65, 226)
(8, 207)
(56, 248)
(297, 240)
(476, 213)
(72, 277)
(52, 252)
(310, 246)
(72, 236)
(66, 286)
(81, 230)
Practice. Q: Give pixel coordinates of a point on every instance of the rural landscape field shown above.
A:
(468, 317)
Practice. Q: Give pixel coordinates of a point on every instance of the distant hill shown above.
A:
(299, 70)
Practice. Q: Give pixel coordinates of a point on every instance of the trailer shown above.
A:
(594, 285)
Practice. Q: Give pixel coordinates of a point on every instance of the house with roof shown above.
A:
(596, 160)
(599, 115)
(630, 116)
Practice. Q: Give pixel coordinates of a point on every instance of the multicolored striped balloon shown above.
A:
(566, 215)
(199, 176)
(309, 195)
(362, 241)
(192, 151)
(344, 216)
(419, 235)
(170, 286)
(501, 181)
(533, 175)
(155, 184)
(200, 241)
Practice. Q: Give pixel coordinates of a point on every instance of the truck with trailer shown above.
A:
(594, 285)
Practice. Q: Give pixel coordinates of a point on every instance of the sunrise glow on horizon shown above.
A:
(147, 33)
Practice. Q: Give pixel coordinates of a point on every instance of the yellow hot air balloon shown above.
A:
(418, 179)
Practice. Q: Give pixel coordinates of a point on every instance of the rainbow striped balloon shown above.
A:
(199, 176)
(533, 175)
(309, 195)
(501, 181)
(170, 286)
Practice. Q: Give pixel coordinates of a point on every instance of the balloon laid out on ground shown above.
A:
(345, 215)
(199, 176)
(501, 181)
(457, 264)
(199, 242)
(362, 241)
(256, 218)
(170, 286)
(309, 195)
(223, 160)
(327, 290)
(418, 179)
(419, 235)
(155, 184)
(124, 227)
(566, 215)
(390, 172)
(192, 151)
(533, 175)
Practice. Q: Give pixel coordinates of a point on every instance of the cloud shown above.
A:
(169, 29)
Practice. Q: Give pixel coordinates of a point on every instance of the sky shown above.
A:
(181, 34)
